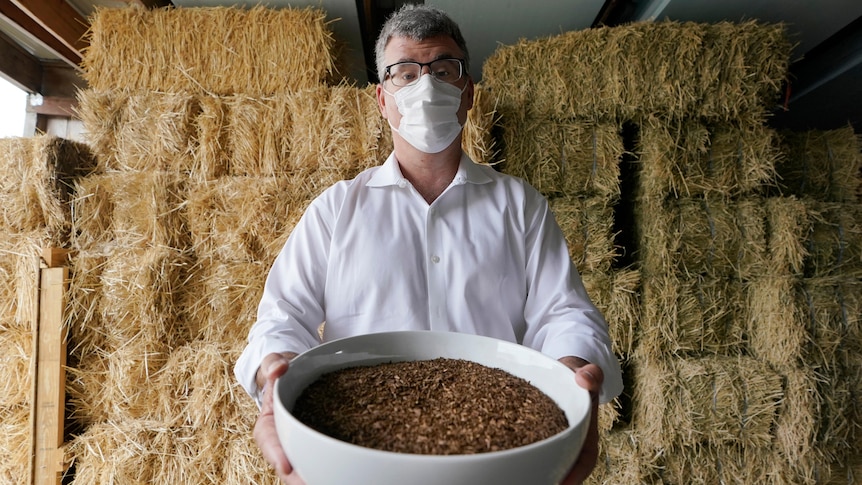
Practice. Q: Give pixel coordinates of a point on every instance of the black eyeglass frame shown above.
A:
(461, 68)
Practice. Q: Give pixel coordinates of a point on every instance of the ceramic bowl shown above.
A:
(322, 460)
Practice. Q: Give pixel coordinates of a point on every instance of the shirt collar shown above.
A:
(390, 173)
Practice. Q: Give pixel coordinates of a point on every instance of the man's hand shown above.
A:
(590, 377)
(265, 435)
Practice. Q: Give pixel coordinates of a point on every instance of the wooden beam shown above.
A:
(62, 21)
(49, 378)
(54, 106)
(19, 67)
(37, 32)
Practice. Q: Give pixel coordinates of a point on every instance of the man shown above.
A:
(427, 241)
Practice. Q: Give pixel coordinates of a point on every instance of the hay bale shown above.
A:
(718, 400)
(244, 219)
(563, 158)
(337, 131)
(719, 72)
(702, 236)
(222, 299)
(834, 242)
(617, 295)
(788, 222)
(479, 140)
(821, 164)
(116, 383)
(35, 182)
(833, 312)
(688, 158)
(140, 296)
(691, 316)
(16, 353)
(705, 463)
(228, 50)
(776, 320)
(144, 130)
(588, 225)
(130, 209)
(15, 443)
(20, 256)
(196, 387)
(621, 461)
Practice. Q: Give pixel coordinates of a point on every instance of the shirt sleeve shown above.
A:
(291, 308)
(561, 319)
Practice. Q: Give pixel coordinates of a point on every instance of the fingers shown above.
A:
(265, 434)
(590, 377)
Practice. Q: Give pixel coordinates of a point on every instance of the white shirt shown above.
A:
(486, 257)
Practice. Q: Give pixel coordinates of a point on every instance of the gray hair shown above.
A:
(417, 22)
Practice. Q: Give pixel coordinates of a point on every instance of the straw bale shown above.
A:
(479, 140)
(144, 130)
(688, 158)
(704, 463)
(692, 316)
(35, 182)
(222, 299)
(833, 310)
(587, 224)
(622, 461)
(798, 416)
(148, 451)
(141, 291)
(617, 295)
(197, 387)
(259, 135)
(15, 443)
(563, 157)
(244, 219)
(339, 130)
(218, 50)
(19, 270)
(246, 463)
(720, 72)
(130, 209)
(775, 316)
(16, 357)
(116, 383)
(708, 236)
(83, 315)
(822, 164)
(788, 224)
(834, 243)
(708, 400)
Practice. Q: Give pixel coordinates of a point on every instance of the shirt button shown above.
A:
(402, 183)
(435, 259)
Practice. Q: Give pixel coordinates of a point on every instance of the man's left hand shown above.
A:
(590, 377)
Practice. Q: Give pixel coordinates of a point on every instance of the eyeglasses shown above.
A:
(444, 70)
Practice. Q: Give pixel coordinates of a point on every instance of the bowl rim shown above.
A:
(566, 434)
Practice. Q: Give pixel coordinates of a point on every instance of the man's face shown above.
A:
(404, 49)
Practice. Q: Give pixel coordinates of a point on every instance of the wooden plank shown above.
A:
(55, 106)
(61, 20)
(50, 379)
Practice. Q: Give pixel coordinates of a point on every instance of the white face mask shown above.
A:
(429, 114)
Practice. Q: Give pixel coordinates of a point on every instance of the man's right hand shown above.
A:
(265, 435)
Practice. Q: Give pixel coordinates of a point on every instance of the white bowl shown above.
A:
(322, 460)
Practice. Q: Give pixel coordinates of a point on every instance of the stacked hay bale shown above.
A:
(37, 174)
(714, 396)
(209, 149)
(815, 311)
